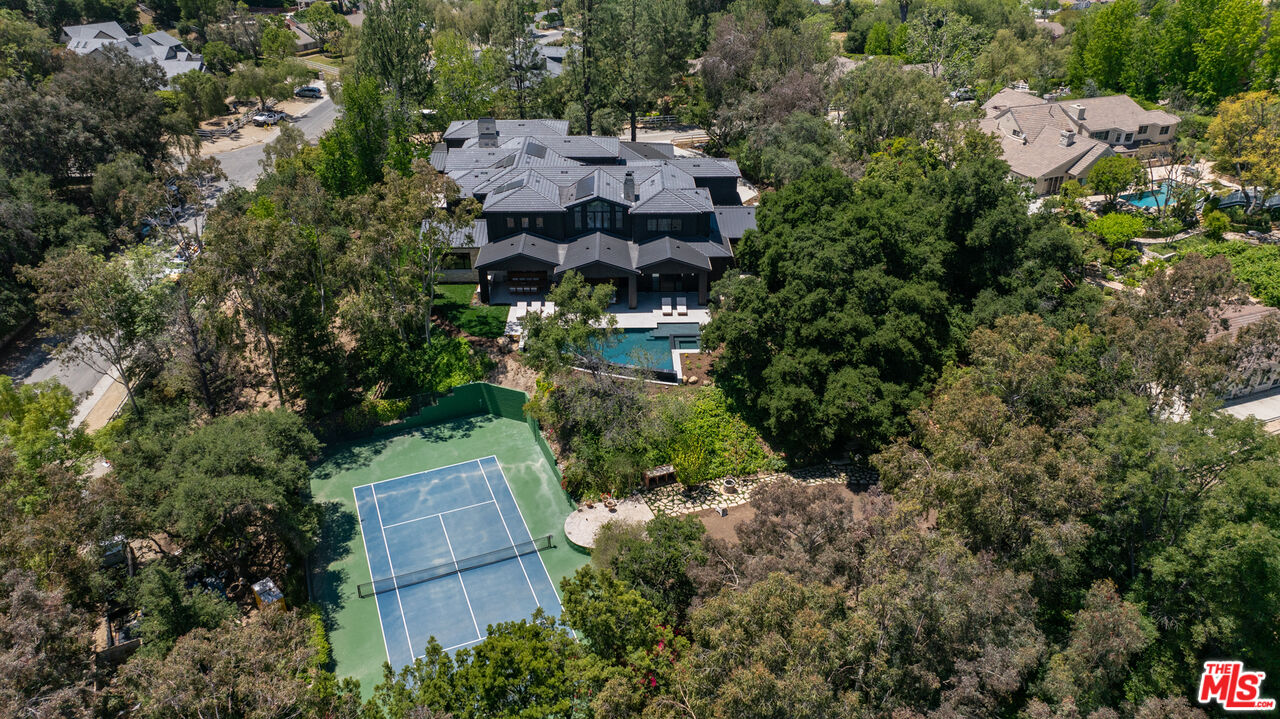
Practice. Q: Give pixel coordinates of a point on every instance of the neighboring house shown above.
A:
(1263, 373)
(304, 39)
(553, 56)
(1049, 143)
(1055, 29)
(629, 214)
(161, 48)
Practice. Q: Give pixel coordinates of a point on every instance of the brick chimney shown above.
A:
(1066, 138)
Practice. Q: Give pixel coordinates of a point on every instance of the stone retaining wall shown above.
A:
(673, 500)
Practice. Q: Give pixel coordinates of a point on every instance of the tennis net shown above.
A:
(444, 569)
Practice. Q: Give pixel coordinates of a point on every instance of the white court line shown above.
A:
(508, 529)
(408, 639)
(437, 514)
(545, 571)
(422, 471)
(459, 646)
(474, 623)
(369, 564)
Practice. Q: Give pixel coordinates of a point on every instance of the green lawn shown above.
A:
(339, 563)
(454, 302)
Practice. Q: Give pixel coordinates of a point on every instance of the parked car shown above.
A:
(268, 117)
(308, 91)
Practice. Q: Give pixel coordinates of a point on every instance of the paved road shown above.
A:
(26, 360)
(242, 166)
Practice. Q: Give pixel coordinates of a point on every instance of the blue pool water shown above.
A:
(648, 348)
(1155, 198)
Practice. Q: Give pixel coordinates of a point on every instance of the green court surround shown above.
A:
(476, 420)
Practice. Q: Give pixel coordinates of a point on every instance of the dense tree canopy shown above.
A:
(850, 306)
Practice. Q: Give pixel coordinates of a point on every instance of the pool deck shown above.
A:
(646, 316)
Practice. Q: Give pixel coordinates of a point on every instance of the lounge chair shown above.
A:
(666, 306)
(682, 306)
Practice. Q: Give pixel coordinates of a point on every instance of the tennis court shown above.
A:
(449, 553)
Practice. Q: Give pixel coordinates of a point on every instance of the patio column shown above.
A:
(484, 286)
(631, 291)
(702, 289)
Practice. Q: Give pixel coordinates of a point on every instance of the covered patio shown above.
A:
(525, 266)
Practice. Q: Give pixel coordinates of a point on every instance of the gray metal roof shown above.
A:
(584, 146)
(707, 166)
(597, 184)
(525, 191)
(523, 245)
(597, 248)
(669, 249)
(601, 248)
(646, 151)
(671, 191)
(733, 222)
(474, 235)
(529, 128)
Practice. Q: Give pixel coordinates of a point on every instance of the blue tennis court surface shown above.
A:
(442, 517)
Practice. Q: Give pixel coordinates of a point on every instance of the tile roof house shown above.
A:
(631, 214)
(161, 48)
(1259, 372)
(1051, 142)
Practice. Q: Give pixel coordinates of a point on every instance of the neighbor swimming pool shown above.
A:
(651, 348)
(1153, 198)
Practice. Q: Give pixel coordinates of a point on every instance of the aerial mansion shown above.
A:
(633, 214)
(1051, 142)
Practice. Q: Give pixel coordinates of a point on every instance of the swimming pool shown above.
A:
(651, 348)
(1153, 198)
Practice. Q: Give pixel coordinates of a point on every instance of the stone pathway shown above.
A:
(673, 500)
